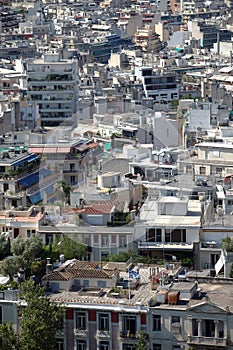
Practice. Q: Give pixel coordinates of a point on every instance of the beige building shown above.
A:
(212, 159)
(148, 39)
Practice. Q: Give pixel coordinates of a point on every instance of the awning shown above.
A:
(49, 190)
(27, 159)
(34, 178)
(29, 180)
(219, 264)
(32, 158)
(36, 198)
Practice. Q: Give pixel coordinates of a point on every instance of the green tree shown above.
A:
(227, 244)
(72, 249)
(41, 320)
(142, 341)
(5, 247)
(8, 338)
(27, 248)
(10, 266)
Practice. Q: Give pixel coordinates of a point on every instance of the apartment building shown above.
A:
(100, 241)
(208, 34)
(167, 227)
(159, 85)
(53, 85)
(212, 159)
(147, 39)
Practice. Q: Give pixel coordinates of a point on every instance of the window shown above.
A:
(202, 170)
(104, 241)
(128, 347)
(150, 235)
(158, 235)
(156, 323)
(81, 320)
(28, 233)
(122, 241)
(72, 167)
(104, 322)
(176, 347)
(129, 326)
(104, 345)
(60, 344)
(219, 171)
(113, 239)
(81, 344)
(175, 319)
(101, 284)
(72, 180)
(189, 169)
(86, 283)
(178, 235)
(96, 239)
(157, 347)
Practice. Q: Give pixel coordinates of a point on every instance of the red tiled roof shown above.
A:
(58, 276)
(100, 208)
(77, 269)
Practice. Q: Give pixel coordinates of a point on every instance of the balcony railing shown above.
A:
(208, 341)
(165, 245)
(129, 335)
(103, 334)
(80, 332)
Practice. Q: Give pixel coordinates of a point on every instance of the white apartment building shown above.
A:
(168, 226)
(187, 6)
(160, 86)
(53, 84)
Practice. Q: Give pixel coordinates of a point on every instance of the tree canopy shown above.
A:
(10, 266)
(5, 247)
(42, 319)
(227, 244)
(27, 248)
(8, 337)
(25, 251)
(72, 249)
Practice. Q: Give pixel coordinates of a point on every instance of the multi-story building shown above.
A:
(167, 227)
(148, 39)
(160, 86)
(53, 84)
(211, 159)
(209, 34)
(107, 310)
